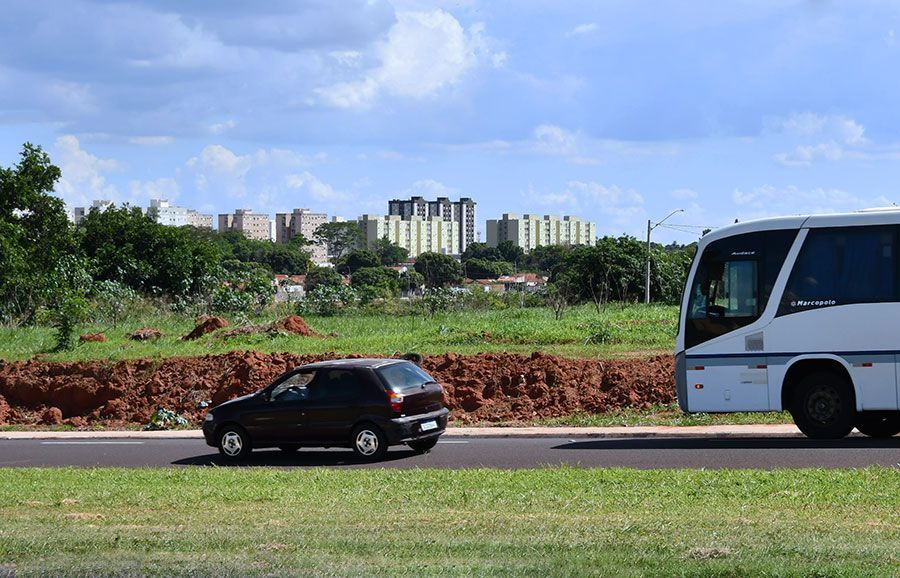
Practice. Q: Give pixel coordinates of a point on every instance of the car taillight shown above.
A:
(396, 401)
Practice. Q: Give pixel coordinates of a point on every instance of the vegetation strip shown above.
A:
(554, 521)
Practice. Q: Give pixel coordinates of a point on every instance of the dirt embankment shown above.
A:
(483, 387)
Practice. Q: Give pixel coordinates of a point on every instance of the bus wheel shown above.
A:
(878, 424)
(823, 406)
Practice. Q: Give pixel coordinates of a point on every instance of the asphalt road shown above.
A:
(710, 453)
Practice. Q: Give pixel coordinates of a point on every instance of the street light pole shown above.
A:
(650, 227)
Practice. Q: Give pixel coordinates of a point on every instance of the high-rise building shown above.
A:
(461, 212)
(416, 234)
(79, 213)
(302, 222)
(532, 231)
(252, 225)
(165, 213)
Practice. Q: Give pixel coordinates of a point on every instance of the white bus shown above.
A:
(799, 314)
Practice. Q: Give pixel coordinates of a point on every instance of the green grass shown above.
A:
(670, 415)
(622, 329)
(546, 522)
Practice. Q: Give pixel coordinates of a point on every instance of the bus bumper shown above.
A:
(681, 389)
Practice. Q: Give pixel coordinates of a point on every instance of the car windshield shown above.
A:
(404, 376)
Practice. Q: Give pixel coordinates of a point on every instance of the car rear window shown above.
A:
(403, 376)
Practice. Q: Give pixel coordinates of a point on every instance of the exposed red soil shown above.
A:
(290, 324)
(145, 334)
(92, 337)
(206, 325)
(488, 387)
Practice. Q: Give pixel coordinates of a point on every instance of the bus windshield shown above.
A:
(733, 282)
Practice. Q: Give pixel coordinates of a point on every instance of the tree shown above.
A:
(546, 259)
(357, 259)
(389, 252)
(481, 251)
(511, 252)
(483, 269)
(374, 282)
(322, 276)
(340, 237)
(35, 233)
(410, 280)
(438, 270)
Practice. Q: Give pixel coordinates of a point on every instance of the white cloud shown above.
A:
(804, 155)
(151, 140)
(424, 52)
(836, 134)
(582, 29)
(767, 200)
(83, 178)
(429, 188)
(309, 183)
(162, 188)
(684, 194)
(220, 127)
(391, 155)
(554, 140)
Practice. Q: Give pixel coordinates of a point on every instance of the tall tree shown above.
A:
(35, 233)
(438, 270)
(340, 237)
(389, 252)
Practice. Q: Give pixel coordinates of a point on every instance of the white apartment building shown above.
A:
(414, 233)
(302, 222)
(531, 231)
(253, 225)
(165, 213)
(461, 211)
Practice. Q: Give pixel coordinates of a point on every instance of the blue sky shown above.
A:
(613, 111)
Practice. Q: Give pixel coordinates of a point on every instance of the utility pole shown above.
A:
(650, 227)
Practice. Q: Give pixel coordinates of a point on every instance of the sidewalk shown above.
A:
(712, 431)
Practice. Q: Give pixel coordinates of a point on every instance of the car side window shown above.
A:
(294, 388)
(336, 385)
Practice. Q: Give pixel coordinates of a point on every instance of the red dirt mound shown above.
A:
(291, 324)
(145, 334)
(488, 387)
(206, 325)
(92, 337)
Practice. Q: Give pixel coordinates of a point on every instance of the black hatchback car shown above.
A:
(364, 404)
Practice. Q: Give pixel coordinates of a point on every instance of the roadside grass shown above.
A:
(545, 522)
(582, 332)
(670, 415)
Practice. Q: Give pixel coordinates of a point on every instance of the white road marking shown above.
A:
(453, 442)
(91, 443)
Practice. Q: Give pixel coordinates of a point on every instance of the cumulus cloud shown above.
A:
(308, 183)
(839, 137)
(423, 53)
(162, 188)
(554, 140)
(429, 188)
(83, 174)
(582, 29)
(151, 140)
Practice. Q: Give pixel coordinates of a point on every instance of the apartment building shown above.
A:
(79, 213)
(531, 231)
(461, 212)
(414, 233)
(302, 222)
(165, 213)
(253, 225)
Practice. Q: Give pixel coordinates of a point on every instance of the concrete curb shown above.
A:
(713, 431)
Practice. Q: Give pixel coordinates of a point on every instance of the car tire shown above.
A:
(369, 442)
(289, 449)
(878, 424)
(422, 446)
(234, 443)
(823, 406)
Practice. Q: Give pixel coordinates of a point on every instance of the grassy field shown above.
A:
(581, 333)
(547, 522)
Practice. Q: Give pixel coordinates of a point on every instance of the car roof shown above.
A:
(365, 362)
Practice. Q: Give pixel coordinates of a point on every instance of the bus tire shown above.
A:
(878, 424)
(823, 406)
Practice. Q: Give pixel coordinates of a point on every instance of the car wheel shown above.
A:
(881, 424)
(369, 442)
(289, 449)
(823, 406)
(422, 446)
(234, 443)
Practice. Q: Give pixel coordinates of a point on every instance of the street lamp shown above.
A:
(650, 227)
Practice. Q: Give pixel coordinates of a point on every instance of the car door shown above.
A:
(333, 406)
(278, 414)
